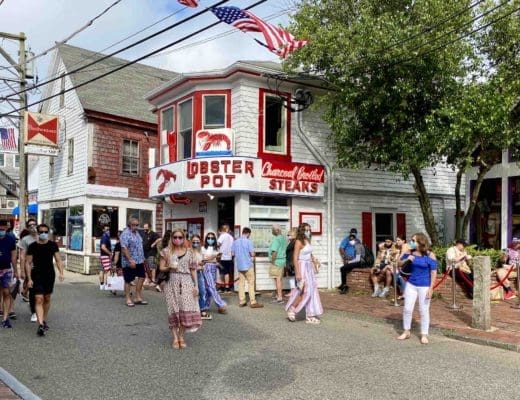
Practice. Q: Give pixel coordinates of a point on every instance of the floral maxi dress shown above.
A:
(183, 307)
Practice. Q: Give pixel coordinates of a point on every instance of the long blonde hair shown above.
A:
(174, 231)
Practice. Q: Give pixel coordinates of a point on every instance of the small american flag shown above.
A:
(8, 139)
(278, 40)
(189, 3)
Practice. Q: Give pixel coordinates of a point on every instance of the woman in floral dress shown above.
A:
(181, 290)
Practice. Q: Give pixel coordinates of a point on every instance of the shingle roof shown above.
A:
(121, 93)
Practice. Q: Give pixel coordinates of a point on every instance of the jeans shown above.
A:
(202, 291)
(411, 294)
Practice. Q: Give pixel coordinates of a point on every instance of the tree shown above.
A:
(392, 65)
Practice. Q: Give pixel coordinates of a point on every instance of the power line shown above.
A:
(121, 50)
(128, 63)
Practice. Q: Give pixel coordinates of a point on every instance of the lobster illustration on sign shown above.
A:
(167, 176)
(208, 140)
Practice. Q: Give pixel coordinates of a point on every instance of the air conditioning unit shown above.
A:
(12, 203)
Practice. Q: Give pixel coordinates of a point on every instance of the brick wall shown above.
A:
(107, 156)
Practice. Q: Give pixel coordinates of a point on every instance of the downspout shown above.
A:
(330, 197)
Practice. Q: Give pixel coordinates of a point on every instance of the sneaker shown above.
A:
(158, 288)
(101, 287)
(242, 304)
(45, 326)
(384, 292)
(12, 315)
(206, 315)
(6, 324)
(256, 305)
(509, 295)
(34, 318)
(344, 290)
(40, 331)
(377, 292)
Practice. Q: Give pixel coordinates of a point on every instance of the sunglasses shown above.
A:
(178, 237)
(43, 231)
(195, 242)
(31, 225)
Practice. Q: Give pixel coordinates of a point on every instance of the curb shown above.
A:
(16, 386)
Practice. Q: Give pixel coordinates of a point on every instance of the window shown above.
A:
(384, 226)
(51, 167)
(75, 228)
(144, 216)
(70, 157)
(273, 126)
(2, 160)
(130, 157)
(166, 127)
(17, 161)
(104, 215)
(62, 90)
(214, 111)
(185, 130)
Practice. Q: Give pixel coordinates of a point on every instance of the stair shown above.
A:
(10, 184)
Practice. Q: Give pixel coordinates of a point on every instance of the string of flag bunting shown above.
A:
(277, 40)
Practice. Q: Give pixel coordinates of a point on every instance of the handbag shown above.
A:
(115, 282)
(164, 276)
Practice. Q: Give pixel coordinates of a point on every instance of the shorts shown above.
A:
(44, 285)
(104, 263)
(226, 267)
(151, 262)
(6, 278)
(129, 274)
(275, 272)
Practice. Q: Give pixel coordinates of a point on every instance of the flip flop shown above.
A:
(141, 303)
(130, 304)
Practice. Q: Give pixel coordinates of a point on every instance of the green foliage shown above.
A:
(440, 253)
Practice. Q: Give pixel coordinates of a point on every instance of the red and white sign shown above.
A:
(41, 130)
(243, 174)
(214, 142)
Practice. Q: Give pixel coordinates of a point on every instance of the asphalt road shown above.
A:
(99, 349)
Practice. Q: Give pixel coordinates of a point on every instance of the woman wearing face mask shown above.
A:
(306, 292)
(420, 284)
(181, 290)
(196, 248)
(209, 257)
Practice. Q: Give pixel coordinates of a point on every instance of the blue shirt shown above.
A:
(421, 269)
(134, 243)
(105, 240)
(7, 245)
(242, 249)
(350, 249)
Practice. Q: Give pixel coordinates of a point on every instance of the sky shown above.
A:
(45, 22)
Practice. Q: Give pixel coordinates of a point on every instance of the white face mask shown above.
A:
(352, 242)
(307, 234)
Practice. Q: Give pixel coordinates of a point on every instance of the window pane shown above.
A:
(214, 111)
(2, 160)
(167, 120)
(384, 226)
(274, 124)
(185, 130)
(185, 119)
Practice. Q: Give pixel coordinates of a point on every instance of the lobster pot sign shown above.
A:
(214, 142)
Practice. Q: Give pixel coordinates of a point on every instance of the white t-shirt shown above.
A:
(225, 241)
(209, 252)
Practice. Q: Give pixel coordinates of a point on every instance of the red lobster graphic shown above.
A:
(167, 176)
(208, 140)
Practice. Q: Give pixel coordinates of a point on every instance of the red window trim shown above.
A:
(265, 155)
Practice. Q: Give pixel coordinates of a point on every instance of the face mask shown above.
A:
(413, 245)
(352, 242)
(178, 241)
(195, 245)
(43, 236)
(3, 234)
(211, 241)
(307, 234)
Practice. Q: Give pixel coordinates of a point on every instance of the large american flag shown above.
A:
(278, 40)
(8, 139)
(189, 3)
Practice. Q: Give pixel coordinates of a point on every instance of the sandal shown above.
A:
(182, 343)
(291, 316)
(404, 336)
(312, 321)
(175, 344)
(424, 340)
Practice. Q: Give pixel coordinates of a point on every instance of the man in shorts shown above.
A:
(105, 256)
(133, 262)
(150, 241)
(225, 241)
(39, 261)
(277, 258)
(7, 265)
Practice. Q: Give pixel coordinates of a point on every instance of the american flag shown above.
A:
(278, 40)
(189, 3)
(8, 139)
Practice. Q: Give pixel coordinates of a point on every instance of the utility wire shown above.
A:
(128, 63)
(119, 51)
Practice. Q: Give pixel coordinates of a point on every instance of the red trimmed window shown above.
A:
(274, 126)
(182, 119)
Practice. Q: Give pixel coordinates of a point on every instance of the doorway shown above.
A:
(226, 212)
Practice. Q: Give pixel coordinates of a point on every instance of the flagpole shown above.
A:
(22, 195)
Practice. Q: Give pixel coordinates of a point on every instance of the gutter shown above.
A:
(330, 197)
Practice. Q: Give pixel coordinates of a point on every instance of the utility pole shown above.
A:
(22, 72)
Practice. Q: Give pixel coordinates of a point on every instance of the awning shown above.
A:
(31, 209)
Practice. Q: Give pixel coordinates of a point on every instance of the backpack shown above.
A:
(367, 261)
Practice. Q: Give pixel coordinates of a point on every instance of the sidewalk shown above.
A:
(505, 321)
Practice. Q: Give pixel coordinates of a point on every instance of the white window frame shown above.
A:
(132, 157)
(181, 134)
(70, 156)
(163, 145)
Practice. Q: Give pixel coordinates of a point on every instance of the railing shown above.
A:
(10, 184)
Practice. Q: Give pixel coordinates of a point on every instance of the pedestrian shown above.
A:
(23, 244)
(105, 256)
(289, 258)
(306, 294)
(244, 253)
(419, 285)
(162, 276)
(277, 261)
(133, 262)
(225, 241)
(39, 260)
(7, 271)
(197, 255)
(181, 290)
(150, 241)
(209, 257)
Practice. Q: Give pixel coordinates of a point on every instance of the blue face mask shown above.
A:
(43, 236)
(3, 234)
(211, 241)
(413, 245)
(195, 245)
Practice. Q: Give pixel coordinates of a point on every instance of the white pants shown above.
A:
(411, 293)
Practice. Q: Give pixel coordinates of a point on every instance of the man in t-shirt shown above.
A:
(133, 261)
(457, 257)
(225, 241)
(511, 257)
(277, 259)
(105, 256)
(39, 260)
(244, 253)
(150, 241)
(7, 265)
(24, 244)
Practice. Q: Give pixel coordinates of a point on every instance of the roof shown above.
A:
(105, 94)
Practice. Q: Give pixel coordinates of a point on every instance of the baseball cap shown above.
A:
(461, 241)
